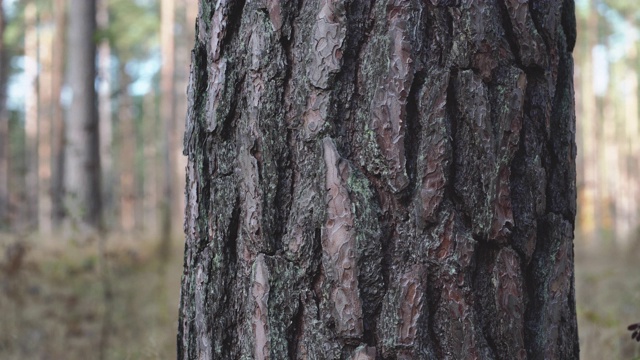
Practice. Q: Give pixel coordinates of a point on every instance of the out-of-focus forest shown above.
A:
(141, 53)
(92, 108)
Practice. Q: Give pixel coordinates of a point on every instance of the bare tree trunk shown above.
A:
(380, 180)
(82, 175)
(105, 115)
(167, 112)
(46, 99)
(57, 119)
(4, 127)
(31, 103)
(152, 181)
(127, 156)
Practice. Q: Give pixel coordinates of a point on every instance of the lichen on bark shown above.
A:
(380, 179)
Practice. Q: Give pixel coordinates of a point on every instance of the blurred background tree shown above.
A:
(140, 132)
(92, 107)
(137, 115)
(606, 78)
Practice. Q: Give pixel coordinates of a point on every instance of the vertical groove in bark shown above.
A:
(380, 179)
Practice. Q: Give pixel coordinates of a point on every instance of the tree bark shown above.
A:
(380, 180)
(82, 175)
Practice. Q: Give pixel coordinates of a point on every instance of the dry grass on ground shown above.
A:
(54, 305)
(608, 299)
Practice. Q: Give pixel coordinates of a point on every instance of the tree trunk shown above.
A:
(167, 113)
(57, 117)
(152, 169)
(380, 180)
(105, 115)
(4, 127)
(45, 110)
(82, 175)
(31, 39)
(127, 155)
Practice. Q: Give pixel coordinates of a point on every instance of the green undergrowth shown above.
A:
(61, 299)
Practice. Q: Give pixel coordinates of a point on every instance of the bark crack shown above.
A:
(413, 136)
(509, 33)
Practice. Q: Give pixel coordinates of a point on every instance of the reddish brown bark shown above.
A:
(380, 180)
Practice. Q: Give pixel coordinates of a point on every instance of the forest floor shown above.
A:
(53, 303)
(607, 300)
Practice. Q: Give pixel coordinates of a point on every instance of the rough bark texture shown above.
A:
(82, 154)
(380, 180)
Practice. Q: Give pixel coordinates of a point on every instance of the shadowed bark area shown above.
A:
(380, 180)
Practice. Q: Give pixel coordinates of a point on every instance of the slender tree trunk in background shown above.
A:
(380, 180)
(167, 112)
(623, 88)
(82, 175)
(630, 158)
(105, 115)
(127, 156)
(4, 127)
(600, 72)
(152, 167)
(588, 158)
(57, 117)
(31, 103)
(45, 108)
(138, 161)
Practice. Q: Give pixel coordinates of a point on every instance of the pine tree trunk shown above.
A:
(127, 158)
(4, 127)
(30, 212)
(380, 180)
(46, 99)
(152, 168)
(57, 117)
(105, 114)
(82, 175)
(168, 114)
